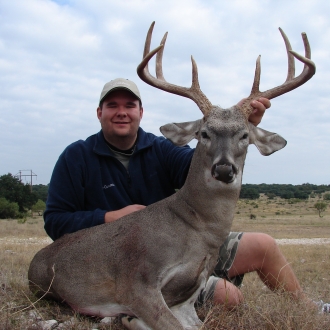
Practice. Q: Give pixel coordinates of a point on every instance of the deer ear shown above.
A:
(181, 133)
(266, 142)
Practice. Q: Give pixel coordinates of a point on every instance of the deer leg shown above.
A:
(182, 316)
(186, 314)
(132, 323)
(150, 309)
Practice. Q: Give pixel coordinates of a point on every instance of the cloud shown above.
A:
(57, 55)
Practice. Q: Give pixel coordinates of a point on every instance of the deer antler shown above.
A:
(194, 92)
(291, 82)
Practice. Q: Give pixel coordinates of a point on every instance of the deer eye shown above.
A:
(204, 135)
(245, 135)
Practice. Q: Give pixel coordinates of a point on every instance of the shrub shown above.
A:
(326, 196)
(8, 209)
(249, 193)
(270, 195)
(320, 207)
(301, 194)
(16, 192)
(39, 207)
(287, 194)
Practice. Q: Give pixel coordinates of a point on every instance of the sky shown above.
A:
(55, 57)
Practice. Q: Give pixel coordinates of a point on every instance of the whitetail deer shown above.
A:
(151, 265)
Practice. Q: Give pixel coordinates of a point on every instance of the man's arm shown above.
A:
(65, 208)
(115, 215)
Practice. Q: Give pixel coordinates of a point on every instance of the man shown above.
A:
(122, 169)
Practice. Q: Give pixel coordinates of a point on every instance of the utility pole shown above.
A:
(31, 175)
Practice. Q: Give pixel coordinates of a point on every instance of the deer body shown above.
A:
(152, 264)
(158, 258)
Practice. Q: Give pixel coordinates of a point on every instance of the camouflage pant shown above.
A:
(227, 255)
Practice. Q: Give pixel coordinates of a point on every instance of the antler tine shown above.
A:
(147, 44)
(159, 60)
(159, 66)
(256, 81)
(291, 81)
(194, 92)
(291, 64)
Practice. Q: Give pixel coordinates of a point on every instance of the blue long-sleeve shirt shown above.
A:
(89, 181)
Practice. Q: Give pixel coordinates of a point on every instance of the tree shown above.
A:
(8, 209)
(287, 194)
(270, 195)
(320, 206)
(300, 194)
(41, 191)
(249, 193)
(39, 207)
(16, 192)
(326, 196)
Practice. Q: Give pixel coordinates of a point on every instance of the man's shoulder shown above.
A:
(164, 147)
(82, 145)
(147, 138)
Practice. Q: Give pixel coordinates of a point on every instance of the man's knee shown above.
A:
(227, 294)
(269, 247)
(220, 291)
(254, 252)
(263, 244)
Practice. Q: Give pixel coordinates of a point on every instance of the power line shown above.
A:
(20, 174)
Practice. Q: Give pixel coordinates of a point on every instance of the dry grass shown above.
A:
(262, 309)
(281, 218)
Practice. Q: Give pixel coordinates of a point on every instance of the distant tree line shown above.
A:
(286, 191)
(250, 191)
(17, 198)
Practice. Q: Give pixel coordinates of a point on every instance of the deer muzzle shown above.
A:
(224, 172)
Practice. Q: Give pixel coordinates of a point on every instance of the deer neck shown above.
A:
(213, 200)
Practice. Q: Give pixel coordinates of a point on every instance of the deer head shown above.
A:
(234, 121)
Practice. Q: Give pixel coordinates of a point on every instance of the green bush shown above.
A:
(301, 194)
(8, 209)
(320, 207)
(286, 194)
(39, 207)
(270, 195)
(326, 196)
(249, 193)
(16, 192)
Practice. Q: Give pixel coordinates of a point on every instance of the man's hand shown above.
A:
(259, 107)
(114, 215)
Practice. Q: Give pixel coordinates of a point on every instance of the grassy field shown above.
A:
(262, 309)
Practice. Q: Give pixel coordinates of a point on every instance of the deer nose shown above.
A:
(224, 172)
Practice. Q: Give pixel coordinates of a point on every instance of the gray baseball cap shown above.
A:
(120, 83)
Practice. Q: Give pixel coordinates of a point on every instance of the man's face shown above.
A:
(120, 117)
